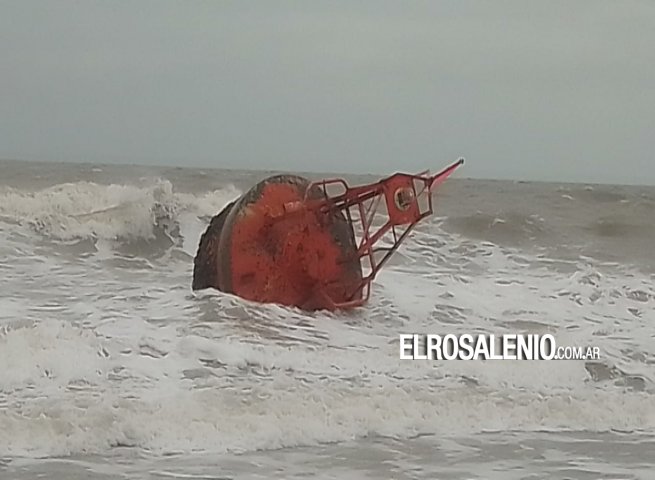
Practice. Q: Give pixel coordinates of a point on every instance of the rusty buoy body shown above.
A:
(288, 241)
(263, 247)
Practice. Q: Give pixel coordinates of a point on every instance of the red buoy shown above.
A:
(293, 242)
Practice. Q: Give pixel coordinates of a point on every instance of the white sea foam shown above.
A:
(111, 350)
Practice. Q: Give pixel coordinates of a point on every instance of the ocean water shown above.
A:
(111, 367)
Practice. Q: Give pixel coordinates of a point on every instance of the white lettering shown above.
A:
(509, 344)
(404, 347)
(481, 348)
(417, 349)
(452, 352)
(547, 347)
(489, 347)
(524, 347)
(492, 344)
(433, 347)
(466, 344)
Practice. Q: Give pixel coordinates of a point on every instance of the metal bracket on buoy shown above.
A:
(407, 199)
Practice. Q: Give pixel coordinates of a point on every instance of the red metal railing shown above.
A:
(403, 211)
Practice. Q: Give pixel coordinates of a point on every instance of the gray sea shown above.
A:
(112, 368)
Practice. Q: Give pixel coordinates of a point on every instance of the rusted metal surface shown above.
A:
(290, 241)
(205, 263)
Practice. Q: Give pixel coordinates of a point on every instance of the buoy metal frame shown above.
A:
(403, 194)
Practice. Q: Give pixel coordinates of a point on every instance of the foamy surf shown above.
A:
(106, 350)
(217, 374)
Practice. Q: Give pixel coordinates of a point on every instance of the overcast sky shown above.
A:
(544, 90)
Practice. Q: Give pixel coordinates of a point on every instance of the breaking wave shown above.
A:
(85, 210)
